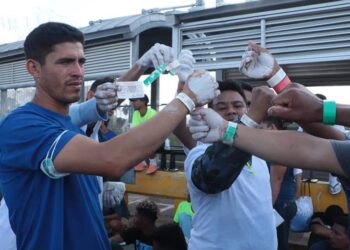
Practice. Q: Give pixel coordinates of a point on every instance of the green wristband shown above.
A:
(230, 133)
(329, 112)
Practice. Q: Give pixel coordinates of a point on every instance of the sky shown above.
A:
(18, 18)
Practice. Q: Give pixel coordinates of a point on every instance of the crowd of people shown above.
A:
(57, 159)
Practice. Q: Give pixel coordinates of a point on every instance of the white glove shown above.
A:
(207, 126)
(113, 193)
(106, 97)
(257, 62)
(203, 85)
(186, 64)
(157, 55)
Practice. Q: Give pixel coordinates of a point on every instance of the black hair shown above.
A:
(343, 220)
(331, 213)
(230, 85)
(99, 82)
(275, 121)
(148, 208)
(40, 41)
(169, 237)
(246, 86)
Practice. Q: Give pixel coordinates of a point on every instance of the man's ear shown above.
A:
(90, 94)
(34, 68)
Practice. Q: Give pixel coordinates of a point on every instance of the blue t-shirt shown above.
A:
(109, 135)
(46, 213)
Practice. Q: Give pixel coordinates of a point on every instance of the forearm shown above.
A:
(142, 141)
(323, 131)
(275, 190)
(184, 135)
(277, 173)
(289, 148)
(114, 157)
(85, 113)
(218, 168)
(321, 230)
(343, 115)
(133, 74)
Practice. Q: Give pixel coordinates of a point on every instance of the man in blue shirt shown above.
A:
(86, 112)
(47, 165)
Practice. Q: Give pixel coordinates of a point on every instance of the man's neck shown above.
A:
(50, 104)
(143, 111)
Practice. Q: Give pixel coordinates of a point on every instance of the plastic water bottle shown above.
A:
(167, 144)
(155, 75)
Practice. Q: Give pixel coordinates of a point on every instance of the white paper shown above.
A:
(132, 89)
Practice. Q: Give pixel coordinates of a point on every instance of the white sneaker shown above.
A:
(334, 185)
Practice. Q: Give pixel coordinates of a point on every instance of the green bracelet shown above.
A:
(329, 112)
(230, 133)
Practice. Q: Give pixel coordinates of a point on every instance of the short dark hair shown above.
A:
(275, 121)
(148, 209)
(343, 220)
(169, 237)
(246, 86)
(331, 213)
(40, 41)
(99, 82)
(230, 85)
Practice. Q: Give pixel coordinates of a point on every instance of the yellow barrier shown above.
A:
(173, 185)
(164, 184)
(320, 189)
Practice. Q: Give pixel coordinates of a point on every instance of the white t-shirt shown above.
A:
(240, 217)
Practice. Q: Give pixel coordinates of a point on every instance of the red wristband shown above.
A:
(279, 81)
(279, 87)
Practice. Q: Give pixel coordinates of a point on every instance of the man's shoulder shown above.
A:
(26, 115)
(15, 116)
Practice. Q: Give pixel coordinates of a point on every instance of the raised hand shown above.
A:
(113, 193)
(106, 97)
(201, 88)
(298, 105)
(261, 101)
(258, 62)
(207, 126)
(158, 55)
(186, 65)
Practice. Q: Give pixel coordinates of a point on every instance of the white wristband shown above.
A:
(249, 122)
(186, 101)
(277, 78)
